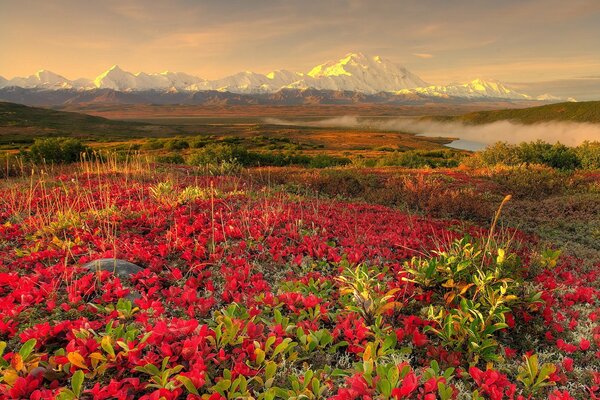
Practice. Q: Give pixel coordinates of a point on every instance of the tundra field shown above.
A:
(286, 263)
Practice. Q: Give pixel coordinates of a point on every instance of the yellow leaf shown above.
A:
(77, 359)
(97, 356)
(465, 288)
(449, 297)
(10, 377)
(389, 306)
(367, 353)
(449, 283)
(17, 362)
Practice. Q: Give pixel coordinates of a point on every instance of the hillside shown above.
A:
(588, 111)
(21, 124)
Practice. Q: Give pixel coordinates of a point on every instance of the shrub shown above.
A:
(217, 153)
(153, 144)
(588, 154)
(555, 156)
(475, 283)
(530, 181)
(170, 159)
(500, 153)
(176, 144)
(541, 153)
(56, 150)
(325, 161)
(420, 159)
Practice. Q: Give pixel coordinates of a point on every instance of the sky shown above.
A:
(537, 45)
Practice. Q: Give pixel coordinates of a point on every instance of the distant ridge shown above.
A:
(588, 111)
(355, 72)
(52, 122)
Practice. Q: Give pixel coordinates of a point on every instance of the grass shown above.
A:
(21, 125)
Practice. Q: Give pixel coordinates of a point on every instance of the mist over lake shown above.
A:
(469, 137)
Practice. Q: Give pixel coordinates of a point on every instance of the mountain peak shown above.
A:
(355, 57)
(354, 72)
(368, 74)
(115, 68)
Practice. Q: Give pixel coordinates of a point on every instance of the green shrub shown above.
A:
(153, 144)
(200, 141)
(500, 153)
(420, 159)
(589, 155)
(216, 153)
(56, 150)
(530, 181)
(170, 159)
(325, 161)
(475, 284)
(540, 153)
(176, 144)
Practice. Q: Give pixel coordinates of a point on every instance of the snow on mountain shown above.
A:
(357, 72)
(42, 79)
(252, 82)
(547, 97)
(117, 79)
(181, 80)
(242, 82)
(477, 88)
(354, 72)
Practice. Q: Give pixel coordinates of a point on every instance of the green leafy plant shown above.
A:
(163, 378)
(76, 387)
(476, 282)
(467, 328)
(370, 297)
(21, 362)
(534, 376)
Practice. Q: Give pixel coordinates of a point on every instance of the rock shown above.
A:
(121, 268)
(37, 372)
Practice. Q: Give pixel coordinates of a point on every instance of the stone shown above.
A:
(121, 268)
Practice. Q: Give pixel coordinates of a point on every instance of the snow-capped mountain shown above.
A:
(477, 88)
(41, 79)
(355, 72)
(252, 82)
(117, 79)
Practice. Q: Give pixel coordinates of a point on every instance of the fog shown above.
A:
(471, 137)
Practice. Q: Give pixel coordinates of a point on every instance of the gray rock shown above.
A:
(121, 268)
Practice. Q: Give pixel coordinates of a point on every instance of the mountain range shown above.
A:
(355, 72)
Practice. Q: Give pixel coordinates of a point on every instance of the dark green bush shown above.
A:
(555, 155)
(153, 144)
(170, 159)
(588, 154)
(420, 159)
(176, 144)
(216, 153)
(56, 150)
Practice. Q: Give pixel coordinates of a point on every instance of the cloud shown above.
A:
(423, 55)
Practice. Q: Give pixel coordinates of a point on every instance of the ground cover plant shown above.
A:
(254, 287)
